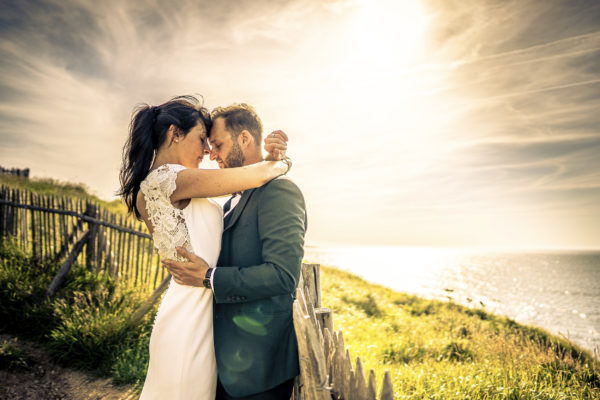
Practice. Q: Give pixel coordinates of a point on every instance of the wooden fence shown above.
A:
(66, 230)
(52, 227)
(326, 369)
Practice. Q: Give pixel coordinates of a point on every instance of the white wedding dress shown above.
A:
(182, 357)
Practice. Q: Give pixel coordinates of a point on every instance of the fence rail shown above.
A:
(52, 227)
(56, 228)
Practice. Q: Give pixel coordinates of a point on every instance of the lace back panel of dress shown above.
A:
(169, 225)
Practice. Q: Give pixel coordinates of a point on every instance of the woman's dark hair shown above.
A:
(147, 132)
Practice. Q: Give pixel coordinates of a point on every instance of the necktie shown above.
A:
(227, 205)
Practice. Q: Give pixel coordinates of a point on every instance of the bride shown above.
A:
(162, 184)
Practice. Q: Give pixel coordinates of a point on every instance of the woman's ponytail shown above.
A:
(138, 154)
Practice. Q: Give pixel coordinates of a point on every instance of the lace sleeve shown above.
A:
(163, 179)
(168, 222)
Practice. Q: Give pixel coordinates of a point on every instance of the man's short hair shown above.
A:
(239, 117)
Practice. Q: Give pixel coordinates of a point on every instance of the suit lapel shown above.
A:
(233, 216)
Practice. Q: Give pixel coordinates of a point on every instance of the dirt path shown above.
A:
(43, 379)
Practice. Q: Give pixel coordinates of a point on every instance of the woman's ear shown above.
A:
(173, 134)
(170, 133)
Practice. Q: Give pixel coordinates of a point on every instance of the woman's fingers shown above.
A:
(280, 133)
(275, 144)
(277, 136)
(272, 147)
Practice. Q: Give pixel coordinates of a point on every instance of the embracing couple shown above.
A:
(224, 328)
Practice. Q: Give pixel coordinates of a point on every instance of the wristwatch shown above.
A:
(206, 281)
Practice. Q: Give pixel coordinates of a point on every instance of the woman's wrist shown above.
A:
(288, 163)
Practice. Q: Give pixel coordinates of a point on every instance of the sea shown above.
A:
(555, 290)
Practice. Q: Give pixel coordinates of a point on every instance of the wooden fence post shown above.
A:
(314, 380)
(66, 266)
(3, 207)
(90, 211)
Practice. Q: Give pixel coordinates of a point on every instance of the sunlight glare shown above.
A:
(387, 33)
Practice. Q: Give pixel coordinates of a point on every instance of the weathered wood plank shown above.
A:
(372, 387)
(361, 383)
(387, 391)
(314, 377)
(66, 266)
(325, 318)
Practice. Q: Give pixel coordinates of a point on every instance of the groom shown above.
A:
(258, 269)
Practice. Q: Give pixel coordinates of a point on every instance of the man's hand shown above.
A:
(187, 273)
(276, 145)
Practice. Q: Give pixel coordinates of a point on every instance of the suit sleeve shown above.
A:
(281, 228)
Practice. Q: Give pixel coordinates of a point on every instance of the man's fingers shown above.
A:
(172, 265)
(186, 254)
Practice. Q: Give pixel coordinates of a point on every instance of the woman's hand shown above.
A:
(276, 145)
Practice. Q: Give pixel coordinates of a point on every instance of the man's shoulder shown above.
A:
(281, 182)
(281, 192)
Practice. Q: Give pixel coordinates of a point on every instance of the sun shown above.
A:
(387, 33)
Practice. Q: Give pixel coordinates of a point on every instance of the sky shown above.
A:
(421, 123)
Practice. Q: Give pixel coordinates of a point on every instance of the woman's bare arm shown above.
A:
(195, 182)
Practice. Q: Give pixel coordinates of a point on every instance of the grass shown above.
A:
(83, 326)
(12, 356)
(75, 191)
(441, 350)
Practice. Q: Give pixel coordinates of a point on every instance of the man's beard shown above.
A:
(235, 158)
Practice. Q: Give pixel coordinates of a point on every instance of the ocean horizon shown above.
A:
(555, 289)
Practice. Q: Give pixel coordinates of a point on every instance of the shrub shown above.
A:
(368, 305)
(12, 357)
(90, 326)
(23, 284)
(456, 351)
(130, 359)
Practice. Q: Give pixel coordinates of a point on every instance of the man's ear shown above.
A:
(245, 139)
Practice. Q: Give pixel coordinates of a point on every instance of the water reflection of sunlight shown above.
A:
(413, 270)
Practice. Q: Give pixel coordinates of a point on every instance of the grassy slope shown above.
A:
(441, 350)
(53, 187)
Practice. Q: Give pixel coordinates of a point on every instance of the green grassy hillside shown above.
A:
(441, 350)
(57, 188)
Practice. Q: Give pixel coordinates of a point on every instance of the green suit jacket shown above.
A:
(254, 289)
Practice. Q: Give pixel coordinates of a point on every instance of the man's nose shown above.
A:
(213, 154)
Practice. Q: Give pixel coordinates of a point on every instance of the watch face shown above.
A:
(206, 283)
